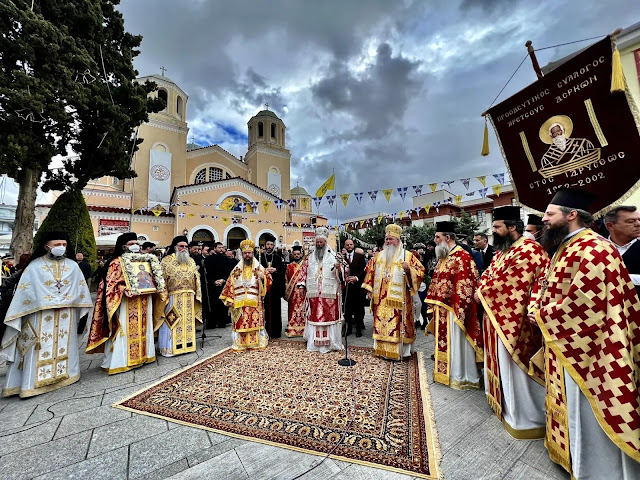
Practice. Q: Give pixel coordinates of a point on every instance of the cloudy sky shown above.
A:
(389, 93)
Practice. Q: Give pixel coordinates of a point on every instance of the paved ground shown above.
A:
(76, 433)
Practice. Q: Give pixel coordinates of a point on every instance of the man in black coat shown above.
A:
(273, 263)
(217, 268)
(481, 242)
(353, 294)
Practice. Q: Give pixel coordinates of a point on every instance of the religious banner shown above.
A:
(569, 130)
(159, 178)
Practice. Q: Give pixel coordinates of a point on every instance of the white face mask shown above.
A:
(135, 248)
(58, 251)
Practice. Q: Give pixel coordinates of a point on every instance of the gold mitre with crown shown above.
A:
(393, 230)
(247, 245)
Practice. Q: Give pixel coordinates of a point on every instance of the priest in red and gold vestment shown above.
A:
(122, 325)
(392, 278)
(244, 293)
(295, 293)
(589, 314)
(321, 274)
(454, 321)
(510, 339)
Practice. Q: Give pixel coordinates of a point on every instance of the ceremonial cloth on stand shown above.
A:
(568, 130)
(286, 396)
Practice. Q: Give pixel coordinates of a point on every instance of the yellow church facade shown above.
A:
(205, 193)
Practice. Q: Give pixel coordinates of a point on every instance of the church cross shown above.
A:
(193, 138)
(266, 105)
(162, 69)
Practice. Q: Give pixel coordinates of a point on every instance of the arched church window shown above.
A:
(228, 175)
(179, 106)
(273, 130)
(260, 130)
(201, 176)
(164, 96)
(215, 174)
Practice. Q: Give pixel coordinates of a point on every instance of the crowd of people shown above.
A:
(546, 319)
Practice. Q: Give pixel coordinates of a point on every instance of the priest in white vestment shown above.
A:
(39, 342)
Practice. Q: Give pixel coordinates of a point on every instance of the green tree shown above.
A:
(466, 226)
(69, 214)
(375, 233)
(421, 234)
(66, 82)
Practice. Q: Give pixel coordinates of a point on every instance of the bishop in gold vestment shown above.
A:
(175, 317)
(244, 293)
(392, 277)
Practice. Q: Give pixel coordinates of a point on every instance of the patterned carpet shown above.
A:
(286, 396)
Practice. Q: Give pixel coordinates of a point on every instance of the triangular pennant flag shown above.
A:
(427, 208)
(191, 215)
(497, 189)
(157, 211)
(401, 214)
(483, 180)
(393, 216)
(448, 183)
(215, 217)
(465, 182)
(362, 223)
(345, 198)
(194, 203)
(181, 214)
(279, 204)
(434, 187)
(331, 199)
(458, 200)
(225, 220)
(499, 177)
(483, 192)
(305, 203)
(317, 201)
(417, 210)
(299, 225)
(387, 193)
(358, 196)
(292, 203)
(235, 220)
(373, 195)
(417, 189)
(203, 216)
(265, 205)
(252, 221)
(402, 191)
(254, 206)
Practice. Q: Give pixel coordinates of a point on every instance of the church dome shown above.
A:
(266, 113)
(298, 190)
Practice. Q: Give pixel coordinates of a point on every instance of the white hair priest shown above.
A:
(322, 276)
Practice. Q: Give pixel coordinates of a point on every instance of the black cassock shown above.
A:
(272, 303)
(217, 267)
(631, 260)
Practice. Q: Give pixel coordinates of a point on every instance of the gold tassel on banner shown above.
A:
(485, 142)
(617, 74)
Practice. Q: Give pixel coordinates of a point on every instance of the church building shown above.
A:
(205, 193)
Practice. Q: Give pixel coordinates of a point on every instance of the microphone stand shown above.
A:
(346, 361)
(206, 289)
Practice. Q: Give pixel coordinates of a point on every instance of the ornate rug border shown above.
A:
(433, 440)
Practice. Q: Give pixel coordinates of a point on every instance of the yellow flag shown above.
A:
(299, 225)
(401, 214)
(483, 180)
(345, 198)
(194, 203)
(330, 184)
(251, 221)
(380, 219)
(362, 223)
(458, 199)
(225, 220)
(265, 205)
(157, 211)
(497, 189)
(387, 193)
(191, 215)
(433, 187)
(427, 208)
(305, 202)
(133, 211)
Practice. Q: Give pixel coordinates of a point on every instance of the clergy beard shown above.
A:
(248, 262)
(560, 141)
(502, 243)
(183, 257)
(552, 236)
(442, 250)
(319, 253)
(389, 253)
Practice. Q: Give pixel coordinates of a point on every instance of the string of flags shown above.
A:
(254, 207)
